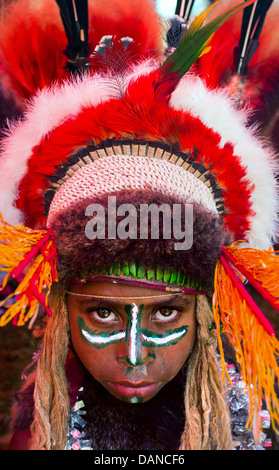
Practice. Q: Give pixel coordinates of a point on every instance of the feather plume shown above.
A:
(184, 8)
(31, 66)
(74, 16)
(114, 55)
(252, 24)
(193, 45)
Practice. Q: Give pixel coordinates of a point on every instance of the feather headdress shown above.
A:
(148, 126)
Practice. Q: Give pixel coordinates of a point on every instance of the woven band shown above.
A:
(117, 173)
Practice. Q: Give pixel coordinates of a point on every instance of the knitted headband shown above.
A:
(143, 238)
(117, 173)
(155, 129)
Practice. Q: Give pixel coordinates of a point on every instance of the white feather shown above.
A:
(45, 112)
(49, 108)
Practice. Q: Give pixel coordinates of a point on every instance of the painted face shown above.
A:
(135, 344)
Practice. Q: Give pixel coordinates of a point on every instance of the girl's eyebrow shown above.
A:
(174, 300)
(98, 303)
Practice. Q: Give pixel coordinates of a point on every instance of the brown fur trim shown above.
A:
(78, 255)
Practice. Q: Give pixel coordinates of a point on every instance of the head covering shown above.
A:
(146, 130)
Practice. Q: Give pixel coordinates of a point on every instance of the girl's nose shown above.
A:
(142, 356)
(134, 345)
(136, 354)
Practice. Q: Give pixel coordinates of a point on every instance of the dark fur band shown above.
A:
(78, 255)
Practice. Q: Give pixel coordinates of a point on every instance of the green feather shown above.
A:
(182, 282)
(141, 272)
(125, 269)
(167, 275)
(116, 269)
(150, 273)
(159, 274)
(179, 277)
(133, 269)
(195, 40)
(110, 271)
(173, 277)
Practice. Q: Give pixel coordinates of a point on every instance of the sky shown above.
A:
(166, 8)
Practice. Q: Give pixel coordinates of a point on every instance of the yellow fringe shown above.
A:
(255, 349)
(37, 276)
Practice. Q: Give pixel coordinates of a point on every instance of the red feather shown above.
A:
(32, 38)
(139, 115)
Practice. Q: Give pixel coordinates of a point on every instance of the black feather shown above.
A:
(74, 15)
(252, 24)
(175, 31)
(184, 11)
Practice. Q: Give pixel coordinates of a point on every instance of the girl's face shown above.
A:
(134, 344)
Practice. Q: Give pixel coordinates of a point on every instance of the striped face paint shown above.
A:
(99, 339)
(135, 336)
(171, 337)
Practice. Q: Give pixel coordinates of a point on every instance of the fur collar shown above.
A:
(115, 425)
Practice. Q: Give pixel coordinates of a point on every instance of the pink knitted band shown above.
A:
(117, 173)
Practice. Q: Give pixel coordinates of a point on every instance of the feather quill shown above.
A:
(252, 24)
(184, 8)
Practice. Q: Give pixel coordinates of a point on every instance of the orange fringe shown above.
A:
(255, 349)
(262, 265)
(28, 257)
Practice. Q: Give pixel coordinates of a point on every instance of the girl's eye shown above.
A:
(166, 314)
(103, 315)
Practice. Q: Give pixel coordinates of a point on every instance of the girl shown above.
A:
(128, 358)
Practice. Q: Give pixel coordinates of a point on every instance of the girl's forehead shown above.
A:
(111, 288)
(123, 294)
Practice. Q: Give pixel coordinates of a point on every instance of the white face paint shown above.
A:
(134, 335)
(102, 340)
(135, 400)
(164, 340)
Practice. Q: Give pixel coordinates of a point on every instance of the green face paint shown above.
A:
(99, 339)
(136, 400)
(171, 337)
(135, 336)
(130, 370)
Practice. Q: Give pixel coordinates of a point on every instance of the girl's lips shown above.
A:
(133, 389)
